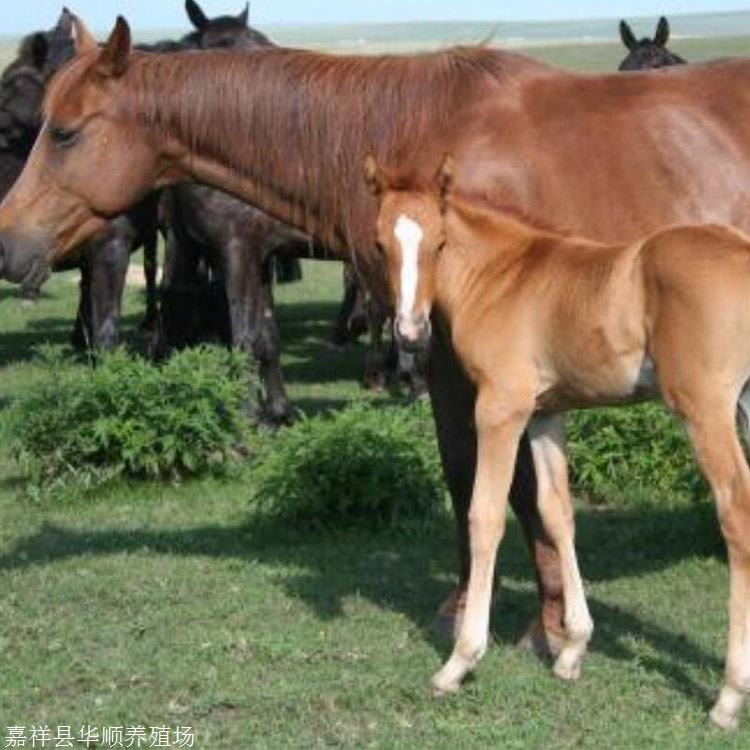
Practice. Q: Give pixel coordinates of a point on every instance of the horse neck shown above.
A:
(483, 245)
(288, 130)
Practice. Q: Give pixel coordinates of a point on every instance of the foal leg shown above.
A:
(556, 510)
(722, 460)
(499, 429)
(453, 399)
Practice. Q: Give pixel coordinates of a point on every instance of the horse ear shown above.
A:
(65, 22)
(374, 175)
(115, 55)
(662, 33)
(39, 50)
(445, 176)
(82, 38)
(196, 15)
(627, 36)
(243, 17)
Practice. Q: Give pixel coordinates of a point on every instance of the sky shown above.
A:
(24, 16)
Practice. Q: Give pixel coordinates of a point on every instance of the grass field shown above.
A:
(175, 605)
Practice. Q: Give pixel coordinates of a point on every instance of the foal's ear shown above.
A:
(115, 54)
(242, 18)
(662, 33)
(374, 175)
(627, 36)
(445, 176)
(196, 15)
(83, 41)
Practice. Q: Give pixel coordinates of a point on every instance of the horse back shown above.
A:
(616, 157)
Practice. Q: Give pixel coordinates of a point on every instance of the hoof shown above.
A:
(442, 688)
(543, 644)
(727, 709)
(723, 719)
(374, 382)
(568, 672)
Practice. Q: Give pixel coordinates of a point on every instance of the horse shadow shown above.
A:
(411, 573)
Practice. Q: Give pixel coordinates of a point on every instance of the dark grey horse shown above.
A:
(220, 256)
(648, 53)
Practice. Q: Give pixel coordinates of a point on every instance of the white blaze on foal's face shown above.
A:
(409, 235)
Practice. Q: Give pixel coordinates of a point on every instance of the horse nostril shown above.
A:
(413, 332)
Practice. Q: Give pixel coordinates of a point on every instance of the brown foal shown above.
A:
(543, 323)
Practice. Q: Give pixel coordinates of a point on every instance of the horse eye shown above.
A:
(63, 137)
(379, 247)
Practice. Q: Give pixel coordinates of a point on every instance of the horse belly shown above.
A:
(622, 380)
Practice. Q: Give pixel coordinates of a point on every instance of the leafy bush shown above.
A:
(363, 464)
(628, 453)
(128, 417)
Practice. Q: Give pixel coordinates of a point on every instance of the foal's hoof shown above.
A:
(541, 643)
(441, 688)
(727, 709)
(568, 672)
(724, 719)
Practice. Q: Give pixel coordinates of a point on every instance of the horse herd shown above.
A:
(460, 185)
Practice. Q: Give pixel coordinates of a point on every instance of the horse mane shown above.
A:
(306, 119)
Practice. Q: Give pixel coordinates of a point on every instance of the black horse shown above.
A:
(221, 253)
(648, 53)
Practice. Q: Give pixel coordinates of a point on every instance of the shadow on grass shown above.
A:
(8, 291)
(20, 346)
(411, 574)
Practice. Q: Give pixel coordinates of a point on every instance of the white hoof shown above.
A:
(723, 719)
(441, 687)
(567, 671)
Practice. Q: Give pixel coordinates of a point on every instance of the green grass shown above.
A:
(162, 604)
(175, 604)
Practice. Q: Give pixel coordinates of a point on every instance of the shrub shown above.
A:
(128, 417)
(364, 464)
(629, 453)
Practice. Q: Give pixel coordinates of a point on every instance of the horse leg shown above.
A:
(253, 325)
(556, 511)
(719, 453)
(377, 355)
(150, 270)
(499, 429)
(342, 332)
(268, 350)
(453, 397)
(82, 337)
(109, 267)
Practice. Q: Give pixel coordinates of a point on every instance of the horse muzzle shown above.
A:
(412, 332)
(22, 262)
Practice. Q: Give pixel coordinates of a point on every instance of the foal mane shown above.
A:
(305, 120)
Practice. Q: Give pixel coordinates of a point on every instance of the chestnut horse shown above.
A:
(609, 156)
(543, 323)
